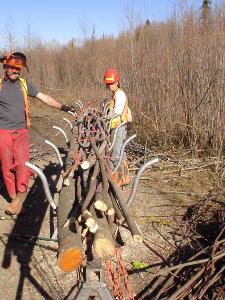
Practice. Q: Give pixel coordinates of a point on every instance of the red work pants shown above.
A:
(14, 152)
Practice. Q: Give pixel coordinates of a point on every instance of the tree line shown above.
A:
(172, 71)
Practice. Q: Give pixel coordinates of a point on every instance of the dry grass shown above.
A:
(173, 72)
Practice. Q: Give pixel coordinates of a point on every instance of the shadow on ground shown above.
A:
(28, 225)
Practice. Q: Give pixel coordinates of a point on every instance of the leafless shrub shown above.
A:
(173, 73)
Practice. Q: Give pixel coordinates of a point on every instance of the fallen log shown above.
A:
(92, 187)
(99, 204)
(70, 252)
(135, 231)
(104, 244)
(89, 221)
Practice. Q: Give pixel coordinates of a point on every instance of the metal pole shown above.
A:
(137, 179)
(80, 103)
(62, 131)
(68, 121)
(44, 182)
(56, 150)
(72, 113)
(122, 151)
(114, 138)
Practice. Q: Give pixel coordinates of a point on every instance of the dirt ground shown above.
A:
(163, 198)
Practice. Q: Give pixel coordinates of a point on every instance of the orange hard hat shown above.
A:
(16, 59)
(111, 76)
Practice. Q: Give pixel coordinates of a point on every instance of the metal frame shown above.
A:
(56, 150)
(94, 284)
(62, 131)
(122, 151)
(44, 182)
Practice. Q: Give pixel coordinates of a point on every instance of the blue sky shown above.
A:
(63, 20)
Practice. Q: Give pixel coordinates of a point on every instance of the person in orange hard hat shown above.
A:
(14, 123)
(119, 115)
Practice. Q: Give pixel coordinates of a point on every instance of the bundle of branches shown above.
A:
(197, 269)
(90, 203)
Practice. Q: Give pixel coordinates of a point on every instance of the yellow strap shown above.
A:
(25, 96)
(24, 83)
(22, 80)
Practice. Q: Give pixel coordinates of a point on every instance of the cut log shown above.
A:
(89, 162)
(70, 253)
(74, 148)
(70, 256)
(90, 222)
(117, 210)
(99, 203)
(134, 229)
(92, 187)
(104, 244)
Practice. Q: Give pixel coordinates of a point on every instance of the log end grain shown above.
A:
(70, 259)
(100, 205)
(85, 165)
(104, 248)
(111, 212)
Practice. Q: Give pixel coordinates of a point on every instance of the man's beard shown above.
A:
(13, 79)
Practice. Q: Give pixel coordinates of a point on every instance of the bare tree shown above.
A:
(173, 75)
(10, 36)
(206, 13)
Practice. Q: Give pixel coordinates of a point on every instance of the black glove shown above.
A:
(66, 108)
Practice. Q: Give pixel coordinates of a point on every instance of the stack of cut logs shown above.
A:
(90, 205)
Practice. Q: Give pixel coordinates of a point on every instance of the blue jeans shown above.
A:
(118, 144)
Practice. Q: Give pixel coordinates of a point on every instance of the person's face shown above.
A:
(12, 73)
(112, 87)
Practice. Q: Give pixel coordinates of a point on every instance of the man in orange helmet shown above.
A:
(119, 115)
(14, 123)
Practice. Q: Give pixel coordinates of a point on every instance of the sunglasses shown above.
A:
(14, 68)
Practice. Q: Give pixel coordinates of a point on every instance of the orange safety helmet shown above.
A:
(111, 76)
(15, 59)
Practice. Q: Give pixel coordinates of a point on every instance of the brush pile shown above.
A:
(91, 204)
(197, 268)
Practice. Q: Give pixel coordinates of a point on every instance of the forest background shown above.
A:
(173, 73)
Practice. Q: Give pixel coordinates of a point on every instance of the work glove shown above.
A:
(66, 108)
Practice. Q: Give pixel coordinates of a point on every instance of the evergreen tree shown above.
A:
(147, 22)
(206, 12)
